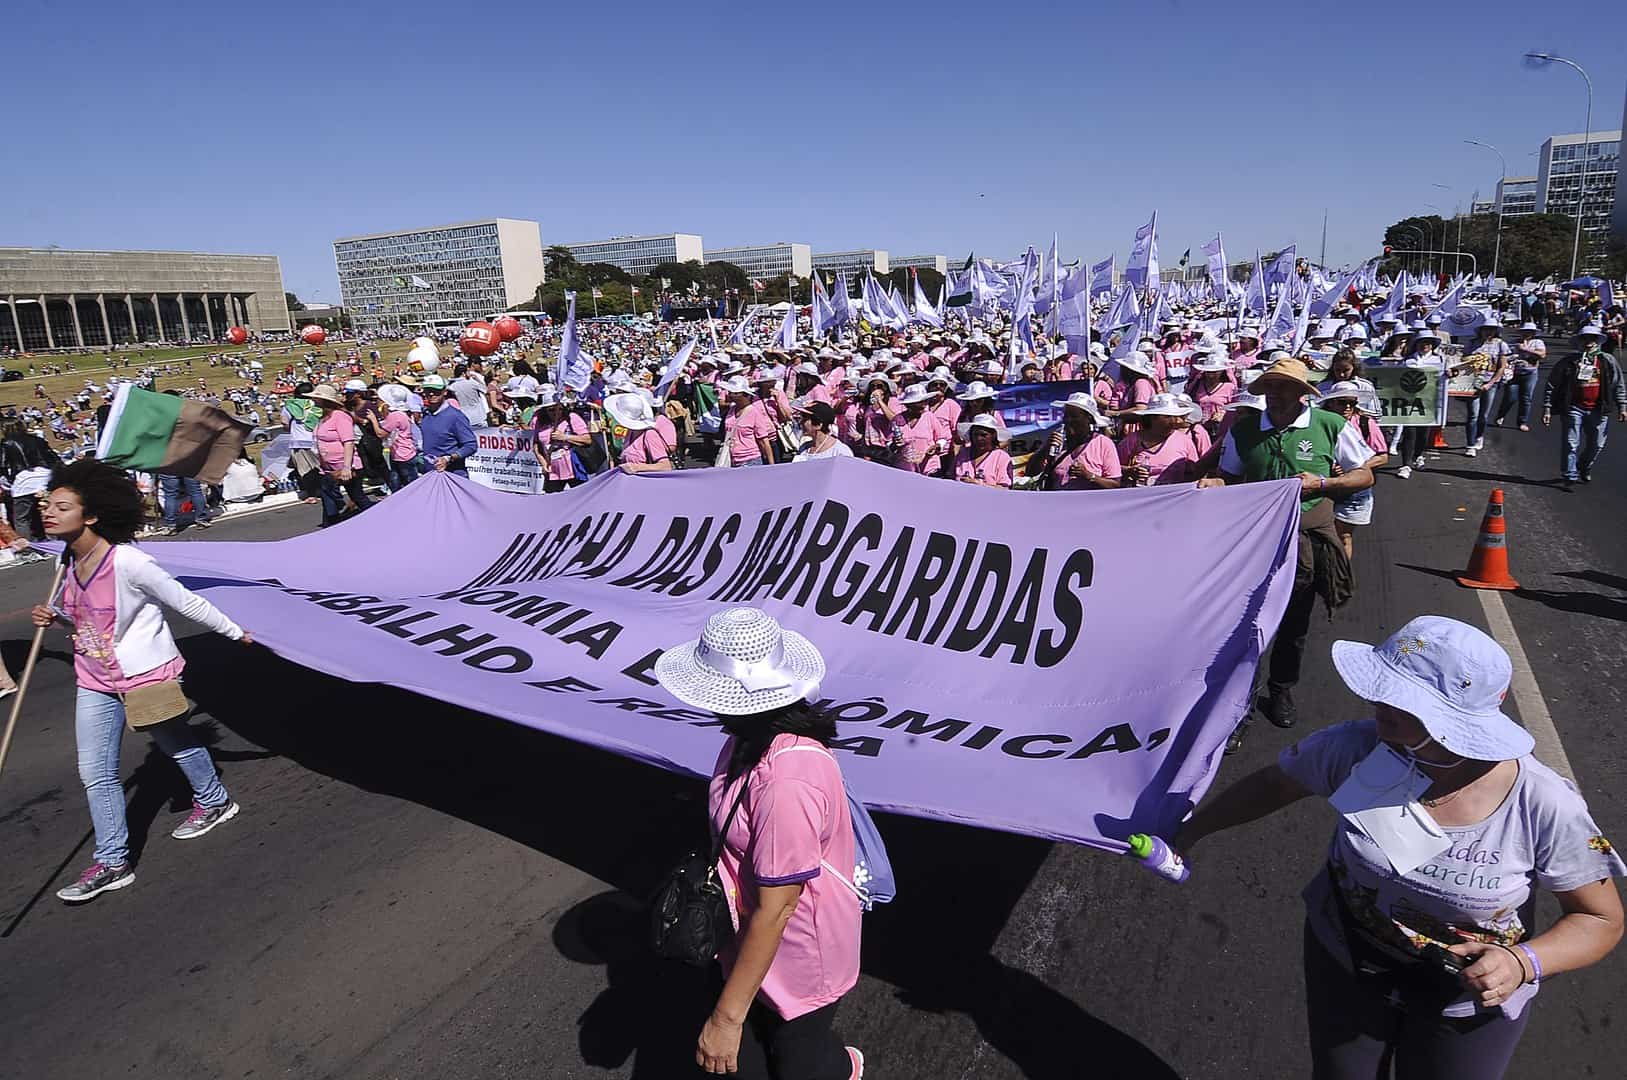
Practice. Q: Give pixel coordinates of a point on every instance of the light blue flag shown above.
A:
(1101, 277)
(901, 308)
(1282, 267)
(821, 315)
(1397, 297)
(1254, 294)
(675, 367)
(1302, 329)
(575, 367)
(1049, 286)
(924, 311)
(1126, 310)
(841, 303)
(1448, 304)
(1142, 268)
(1324, 303)
(1607, 295)
(1214, 257)
(786, 339)
(1281, 327)
(1022, 333)
(739, 335)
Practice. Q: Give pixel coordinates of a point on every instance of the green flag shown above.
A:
(168, 434)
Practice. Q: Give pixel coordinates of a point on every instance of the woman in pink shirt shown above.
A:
(1160, 451)
(748, 426)
(878, 412)
(557, 430)
(1136, 383)
(983, 461)
(1213, 389)
(977, 400)
(1078, 457)
(646, 448)
(944, 407)
(810, 388)
(778, 802)
(922, 437)
(398, 441)
(336, 447)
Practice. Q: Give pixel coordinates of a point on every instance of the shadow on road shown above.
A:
(626, 823)
(1494, 477)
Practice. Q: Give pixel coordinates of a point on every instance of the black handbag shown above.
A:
(689, 915)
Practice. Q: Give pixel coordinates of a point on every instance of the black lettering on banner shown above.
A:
(1118, 737)
(762, 540)
(867, 710)
(314, 595)
(524, 560)
(1017, 627)
(983, 737)
(399, 626)
(879, 596)
(671, 574)
(955, 586)
(531, 610)
(575, 616)
(714, 557)
(547, 544)
(454, 638)
(500, 660)
(627, 704)
(501, 563)
(1017, 746)
(565, 684)
(996, 566)
(930, 573)
(827, 533)
(781, 558)
(862, 745)
(595, 639)
(919, 723)
(1156, 739)
(604, 530)
(574, 538)
(487, 597)
(628, 542)
(639, 668)
(1053, 647)
(683, 715)
(373, 615)
(348, 603)
(867, 531)
(271, 581)
(666, 548)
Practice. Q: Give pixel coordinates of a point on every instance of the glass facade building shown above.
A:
(639, 255)
(766, 261)
(855, 264)
(1517, 195)
(398, 281)
(922, 262)
(1559, 185)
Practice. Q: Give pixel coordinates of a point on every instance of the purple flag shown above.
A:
(786, 339)
(1101, 277)
(575, 367)
(988, 656)
(675, 367)
(739, 335)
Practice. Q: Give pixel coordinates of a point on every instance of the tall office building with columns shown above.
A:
(59, 299)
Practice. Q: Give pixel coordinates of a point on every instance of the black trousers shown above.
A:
(773, 1048)
(1288, 650)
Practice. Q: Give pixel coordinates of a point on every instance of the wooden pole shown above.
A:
(28, 668)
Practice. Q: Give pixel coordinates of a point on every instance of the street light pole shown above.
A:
(1457, 260)
(1587, 137)
(1497, 248)
(1440, 260)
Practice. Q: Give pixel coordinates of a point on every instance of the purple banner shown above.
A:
(1066, 665)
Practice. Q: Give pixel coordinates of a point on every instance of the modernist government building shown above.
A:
(88, 299)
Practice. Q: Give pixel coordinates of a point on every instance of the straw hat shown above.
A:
(325, 392)
(630, 411)
(1287, 369)
(744, 662)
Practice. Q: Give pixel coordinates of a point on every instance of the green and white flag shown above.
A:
(168, 434)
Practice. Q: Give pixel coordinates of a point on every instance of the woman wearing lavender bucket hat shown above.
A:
(1421, 947)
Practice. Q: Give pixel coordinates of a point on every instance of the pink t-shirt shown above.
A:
(336, 429)
(1371, 433)
(948, 410)
(1200, 438)
(402, 448)
(558, 451)
(878, 429)
(994, 468)
(667, 429)
(793, 828)
(743, 429)
(922, 436)
(818, 392)
(1168, 463)
(93, 607)
(1129, 395)
(1213, 399)
(646, 448)
(833, 378)
(1100, 457)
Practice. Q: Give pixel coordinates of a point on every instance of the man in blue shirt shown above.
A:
(449, 441)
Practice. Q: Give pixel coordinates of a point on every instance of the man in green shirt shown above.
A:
(1290, 439)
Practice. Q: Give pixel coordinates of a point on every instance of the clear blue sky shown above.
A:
(275, 129)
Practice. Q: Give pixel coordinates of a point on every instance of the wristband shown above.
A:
(1322, 483)
(1536, 965)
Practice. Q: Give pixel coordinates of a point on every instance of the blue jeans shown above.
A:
(1584, 430)
(1481, 406)
(334, 492)
(1522, 388)
(402, 473)
(171, 487)
(98, 728)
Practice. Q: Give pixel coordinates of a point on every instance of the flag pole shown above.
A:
(28, 668)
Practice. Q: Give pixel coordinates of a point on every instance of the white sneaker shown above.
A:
(1470, 452)
(1418, 462)
(1404, 471)
(1480, 443)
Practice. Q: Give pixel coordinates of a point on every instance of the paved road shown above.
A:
(416, 891)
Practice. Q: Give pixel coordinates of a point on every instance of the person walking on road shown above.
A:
(336, 447)
(1421, 945)
(1521, 392)
(1330, 460)
(115, 597)
(1585, 387)
(777, 799)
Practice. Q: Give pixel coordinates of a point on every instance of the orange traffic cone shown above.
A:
(1488, 564)
(1439, 441)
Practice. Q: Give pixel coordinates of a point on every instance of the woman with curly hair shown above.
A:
(114, 596)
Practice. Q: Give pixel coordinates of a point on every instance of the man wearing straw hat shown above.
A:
(1291, 439)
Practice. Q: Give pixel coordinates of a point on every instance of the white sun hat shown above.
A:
(1211, 362)
(743, 663)
(630, 411)
(1246, 400)
(1448, 674)
(734, 384)
(976, 390)
(1136, 362)
(1163, 405)
(915, 394)
(1085, 404)
(984, 422)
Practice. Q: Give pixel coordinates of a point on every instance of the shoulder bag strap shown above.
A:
(722, 834)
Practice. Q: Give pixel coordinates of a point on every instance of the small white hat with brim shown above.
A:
(744, 662)
(734, 384)
(1591, 330)
(1246, 400)
(1136, 362)
(325, 392)
(991, 366)
(1341, 390)
(630, 411)
(806, 368)
(1085, 404)
(976, 390)
(1163, 405)
(355, 386)
(1448, 674)
(877, 377)
(915, 394)
(984, 422)
(1210, 362)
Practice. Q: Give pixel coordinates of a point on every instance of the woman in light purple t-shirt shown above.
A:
(1421, 945)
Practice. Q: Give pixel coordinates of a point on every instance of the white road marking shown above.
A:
(1527, 694)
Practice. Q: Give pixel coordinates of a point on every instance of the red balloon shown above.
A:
(313, 335)
(479, 339)
(237, 335)
(508, 327)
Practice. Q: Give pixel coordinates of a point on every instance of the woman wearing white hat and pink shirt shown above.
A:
(1161, 450)
(923, 436)
(1448, 828)
(983, 460)
(748, 426)
(1078, 457)
(647, 448)
(778, 800)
